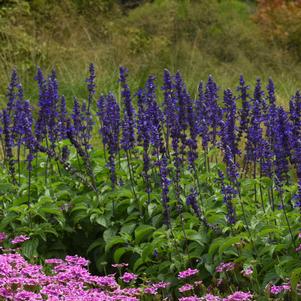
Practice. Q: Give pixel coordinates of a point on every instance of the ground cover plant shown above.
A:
(202, 192)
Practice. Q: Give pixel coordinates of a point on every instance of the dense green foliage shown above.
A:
(196, 37)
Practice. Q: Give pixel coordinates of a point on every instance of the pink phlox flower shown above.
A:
(2, 236)
(239, 296)
(298, 249)
(247, 272)
(210, 297)
(225, 267)
(120, 265)
(186, 287)
(190, 298)
(20, 239)
(128, 277)
(187, 273)
(77, 260)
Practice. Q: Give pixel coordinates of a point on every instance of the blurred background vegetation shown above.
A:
(224, 38)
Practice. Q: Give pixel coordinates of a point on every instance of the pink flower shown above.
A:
(151, 290)
(298, 249)
(225, 267)
(190, 298)
(19, 239)
(247, 272)
(299, 235)
(198, 283)
(186, 287)
(239, 296)
(210, 297)
(120, 265)
(187, 273)
(2, 236)
(161, 284)
(77, 260)
(128, 277)
(277, 289)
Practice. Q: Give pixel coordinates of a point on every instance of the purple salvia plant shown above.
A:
(229, 159)
(282, 146)
(202, 113)
(110, 131)
(245, 109)
(51, 109)
(295, 118)
(168, 103)
(259, 96)
(11, 92)
(182, 96)
(165, 182)
(29, 139)
(214, 111)
(41, 123)
(143, 126)
(76, 116)
(8, 144)
(230, 129)
(91, 86)
(193, 130)
(191, 200)
(228, 194)
(128, 124)
(62, 119)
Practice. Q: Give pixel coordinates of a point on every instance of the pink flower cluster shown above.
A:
(239, 296)
(247, 272)
(225, 267)
(68, 280)
(187, 273)
(128, 277)
(153, 288)
(19, 239)
(277, 289)
(236, 296)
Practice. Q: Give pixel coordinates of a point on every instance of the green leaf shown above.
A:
(215, 245)
(118, 254)
(229, 243)
(95, 244)
(114, 241)
(295, 277)
(139, 262)
(29, 248)
(101, 220)
(142, 232)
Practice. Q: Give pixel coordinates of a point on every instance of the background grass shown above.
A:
(196, 37)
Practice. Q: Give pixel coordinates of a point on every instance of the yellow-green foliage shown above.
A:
(197, 37)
